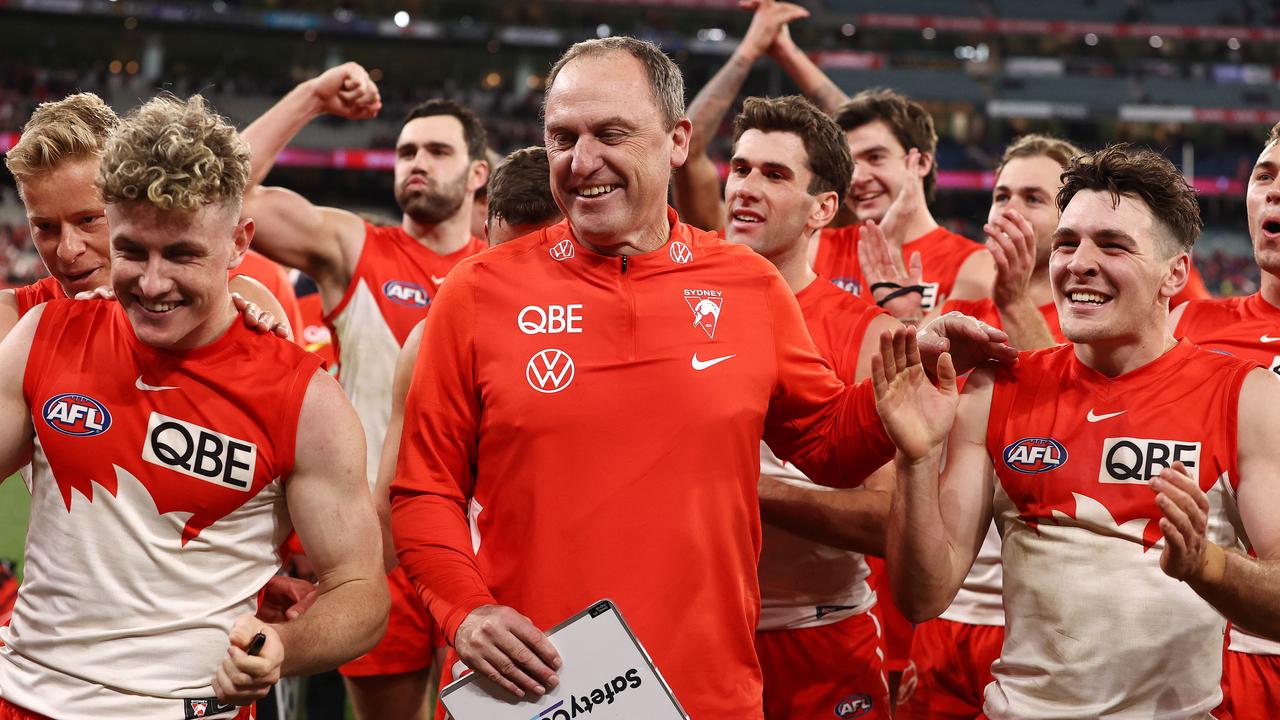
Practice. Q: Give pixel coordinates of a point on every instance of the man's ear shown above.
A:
(1179, 273)
(825, 207)
(926, 163)
(477, 175)
(241, 239)
(680, 137)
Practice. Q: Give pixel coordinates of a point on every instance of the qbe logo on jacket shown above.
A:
(75, 414)
(199, 452)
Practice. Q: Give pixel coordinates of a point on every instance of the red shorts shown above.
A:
(411, 637)
(1250, 686)
(952, 668)
(897, 628)
(9, 711)
(832, 671)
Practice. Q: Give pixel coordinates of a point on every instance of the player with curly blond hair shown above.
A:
(55, 166)
(163, 483)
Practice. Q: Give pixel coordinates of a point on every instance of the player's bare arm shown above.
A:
(696, 185)
(391, 445)
(1012, 242)
(937, 521)
(1245, 590)
(850, 519)
(322, 242)
(17, 433)
(812, 81)
(975, 278)
(8, 311)
(333, 513)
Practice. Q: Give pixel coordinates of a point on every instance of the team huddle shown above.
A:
(1036, 478)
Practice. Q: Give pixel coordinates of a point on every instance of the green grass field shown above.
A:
(15, 504)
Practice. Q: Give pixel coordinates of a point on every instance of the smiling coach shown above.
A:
(545, 466)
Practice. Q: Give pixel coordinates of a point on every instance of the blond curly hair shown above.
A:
(74, 127)
(176, 155)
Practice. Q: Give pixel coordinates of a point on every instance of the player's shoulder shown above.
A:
(1035, 364)
(384, 233)
(1213, 311)
(1212, 363)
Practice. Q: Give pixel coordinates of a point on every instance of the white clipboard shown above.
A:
(605, 675)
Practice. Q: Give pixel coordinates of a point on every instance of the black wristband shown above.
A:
(883, 285)
(900, 292)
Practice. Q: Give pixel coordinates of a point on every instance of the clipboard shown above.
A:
(606, 675)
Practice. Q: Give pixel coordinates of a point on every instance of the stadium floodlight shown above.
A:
(401, 19)
(603, 31)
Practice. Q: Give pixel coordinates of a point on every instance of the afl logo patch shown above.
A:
(405, 293)
(854, 706)
(74, 414)
(1035, 455)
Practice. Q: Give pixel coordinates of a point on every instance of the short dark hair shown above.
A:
(1124, 169)
(909, 122)
(665, 80)
(520, 189)
(1035, 145)
(824, 143)
(472, 129)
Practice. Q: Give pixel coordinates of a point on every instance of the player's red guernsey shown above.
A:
(1094, 627)
(942, 253)
(805, 583)
(157, 507)
(1246, 327)
(394, 281)
(40, 291)
(314, 334)
(985, 310)
(583, 426)
(276, 279)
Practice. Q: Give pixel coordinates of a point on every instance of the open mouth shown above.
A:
(1088, 299)
(1271, 227)
(867, 197)
(156, 307)
(594, 191)
(747, 216)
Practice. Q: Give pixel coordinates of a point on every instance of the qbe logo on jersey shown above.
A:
(706, 306)
(1134, 461)
(550, 320)
(549, 371)
(199, 452)
(1035, 455)
(75, 414)
(402, 292)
